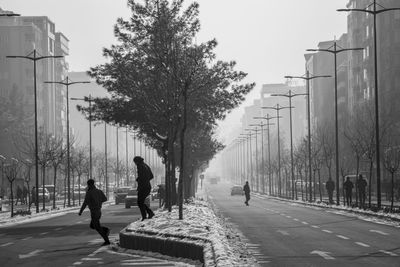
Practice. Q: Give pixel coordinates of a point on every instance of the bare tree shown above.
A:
(57, 153)
(11, 171)
(391, 162)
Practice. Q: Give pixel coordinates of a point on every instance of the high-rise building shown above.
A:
(19, 36)
(361, 65)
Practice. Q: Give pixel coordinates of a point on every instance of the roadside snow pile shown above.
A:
(223, 246)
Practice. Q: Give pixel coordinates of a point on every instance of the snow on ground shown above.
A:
(200, 224)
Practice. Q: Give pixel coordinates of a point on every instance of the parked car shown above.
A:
(131, 199)
(237, 190)
(120, 194)
(46, 194)
(50, 188)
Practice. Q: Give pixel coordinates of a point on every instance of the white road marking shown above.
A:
(91, 259)
(304, 222)
(323, 254)
(289, 217)
(58, 229)
(79, 222)
(7, 244)
(77, 263)
(315, 226)
(343, 237)
(378, 232)
(26, 238)
(283, 232)
(362, 244)
(44, 233)
(327, 231)
(296, 219)
(30, 254)
(97, 251)
(389, 253)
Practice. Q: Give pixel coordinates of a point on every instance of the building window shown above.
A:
(367, 31)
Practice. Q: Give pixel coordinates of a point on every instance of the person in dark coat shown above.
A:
(33, 197)
(361, 186)
(144, 175)
(246, 189)
(348, 189)
(25, 195)
(19, 196)
(330, 187)
(94, 198)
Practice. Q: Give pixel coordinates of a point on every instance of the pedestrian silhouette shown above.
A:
(348, 189)
(161, 194)
(33, 197)
(19, 196)
(94, 198)
(144, 175)
(246, 189)
(25, 195)
(361, 186)
(330, 187)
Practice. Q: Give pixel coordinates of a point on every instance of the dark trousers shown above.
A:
(247, 195)
(141, 197)
(348, 198)
(95, 215)
(330, 194)
(362, 196)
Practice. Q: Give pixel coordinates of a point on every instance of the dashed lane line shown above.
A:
(7, 244)
(362, 244)
(315, 226)
(343, 237)
(26, 238)
(58, 229)
(327, 231)
(389, 253)
(378, 232)
(44, 233)
(304, 223)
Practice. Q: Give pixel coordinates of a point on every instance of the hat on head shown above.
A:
(138, 159)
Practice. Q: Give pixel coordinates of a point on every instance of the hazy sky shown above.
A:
(267, 38)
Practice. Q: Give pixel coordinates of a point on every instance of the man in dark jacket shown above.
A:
(348, 189)
(361, 186)
(94, 198)
(246, 189)
(330, 187)
(144, 175)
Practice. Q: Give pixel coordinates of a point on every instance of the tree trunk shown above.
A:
(319, 185)
(392, 200)
(54, 189)
(43, 182)
(357, 172)
(79, 189)
(12, 198)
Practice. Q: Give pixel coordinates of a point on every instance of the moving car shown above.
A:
(237, 190)
(120, 194)
(131, 199)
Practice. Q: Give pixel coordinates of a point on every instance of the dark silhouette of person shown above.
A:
(348, 189)
(361, 186)
(144, 175)
(330, 187)
(94, 198)
(161, 194)
(246, 189)
(25, 195)
(19, 196)
(33, 197)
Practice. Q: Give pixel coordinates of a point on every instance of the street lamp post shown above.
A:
(375, 12)
(247, 154)
(33, 57)
(105, 159)
(251, 158)
(268, 118)
(67, 82)
(290, 96)
(117, 172)
(308, 78)
(126, 151)
(278, 108)
(336, 49)
(90, 100)
(256, 134)
(262, 154)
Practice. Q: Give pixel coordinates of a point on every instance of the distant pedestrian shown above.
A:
(25, 194)
(348, 189)
(33, 197)
(161, 194)
(330, 187)
(361, 187)
(19, 196)
(144, 175)
(246, 189)
(94, 198)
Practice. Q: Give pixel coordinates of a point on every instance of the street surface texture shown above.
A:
(67, 240)
(286, 234)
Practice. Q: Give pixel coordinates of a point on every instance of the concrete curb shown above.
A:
(168, 244)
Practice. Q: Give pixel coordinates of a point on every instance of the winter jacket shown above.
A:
(144, 175)
(94, 198)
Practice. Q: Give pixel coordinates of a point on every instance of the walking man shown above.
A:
(330, 186)
(144, 175)
(33, 197)
(361, 186)
(94, 198)
(246, 189)
(19, 196)
(348, 189)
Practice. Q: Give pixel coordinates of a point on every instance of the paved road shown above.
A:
(67, 240)
(283, 234)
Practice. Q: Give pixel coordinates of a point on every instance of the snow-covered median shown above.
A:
(223, 244)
